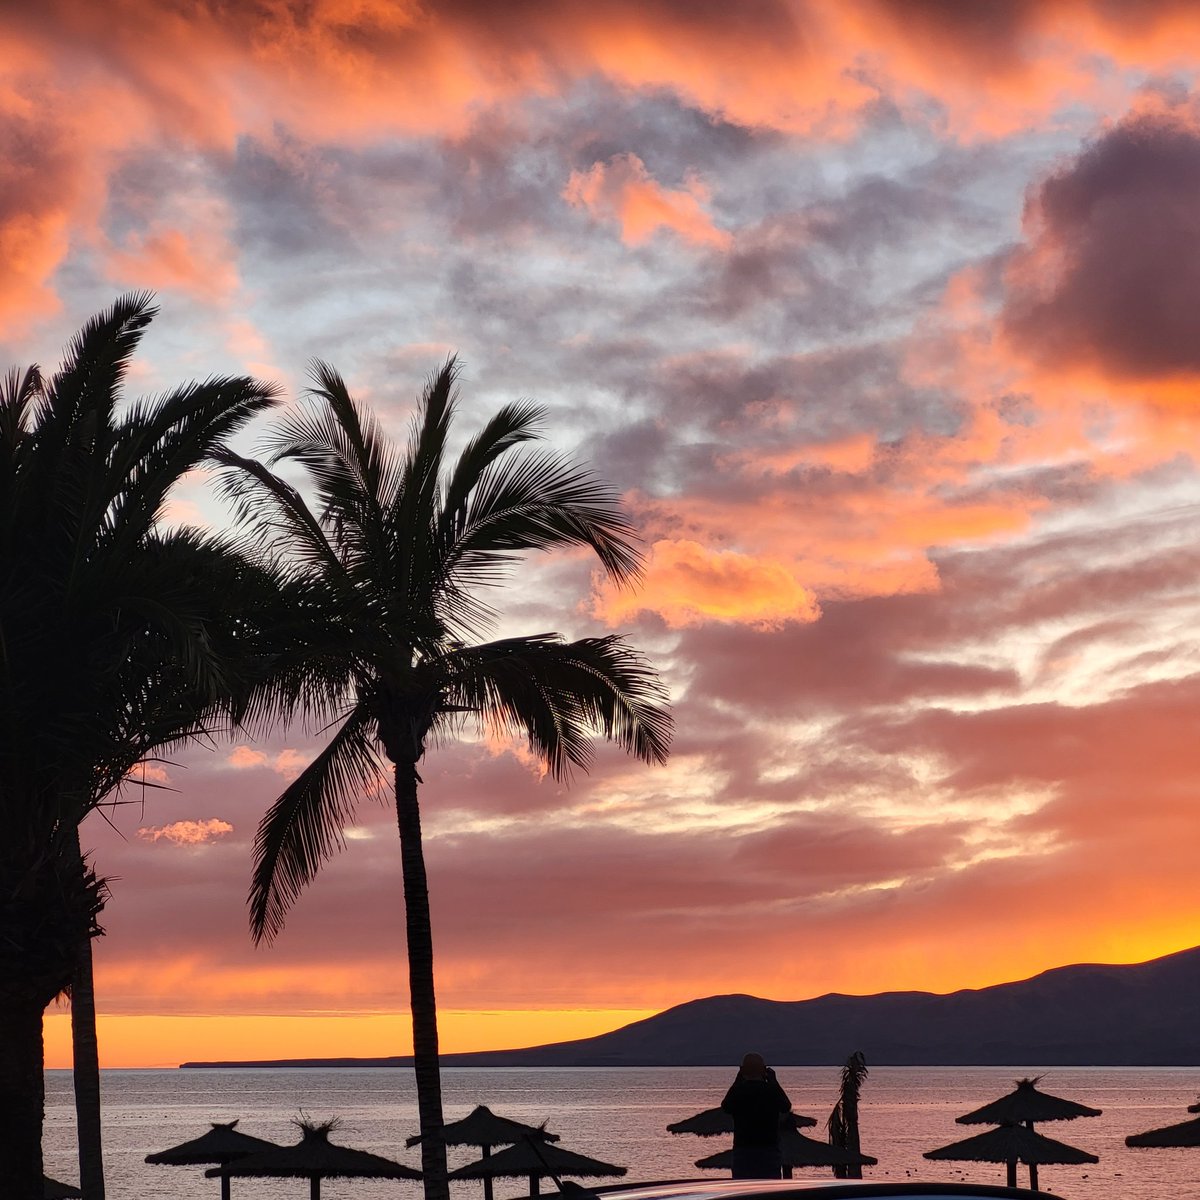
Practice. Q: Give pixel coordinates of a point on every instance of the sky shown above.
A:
(884, 318)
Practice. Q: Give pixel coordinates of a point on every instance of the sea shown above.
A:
(618, 1115)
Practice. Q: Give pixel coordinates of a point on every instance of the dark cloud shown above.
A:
(1111, 277)
(859, 654)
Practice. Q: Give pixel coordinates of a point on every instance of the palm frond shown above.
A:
(354, 470)
(377, 464)
(158, 442)
(94, 366)
(19, 391)
(303, 828)
(512, 425)
(261, 498)
(541, 502)
(412, 518)
(559, 694)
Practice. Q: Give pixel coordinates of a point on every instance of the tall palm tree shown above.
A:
(391, 562)
(115, 642)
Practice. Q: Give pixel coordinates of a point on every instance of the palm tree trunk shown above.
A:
(85, 1062)
(420, 984)
(22, 1093)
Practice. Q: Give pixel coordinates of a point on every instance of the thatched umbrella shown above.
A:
(1011, 1144)
(53, 1190)
(538, 1160)
(314, 1157)
(1024, 1105)
(796, 1150)
(1186, 1133)
(1194, 1107)
(713, 1122)
(222, 1144)
(481, 1127)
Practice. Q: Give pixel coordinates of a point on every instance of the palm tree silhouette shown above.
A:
(843, 1121)
(385, 644)
(115, 643)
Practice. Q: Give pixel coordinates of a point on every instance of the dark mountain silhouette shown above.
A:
(1090, 1014)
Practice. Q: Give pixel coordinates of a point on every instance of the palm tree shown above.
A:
(843, 1121)
(114, 643)
(390, 563)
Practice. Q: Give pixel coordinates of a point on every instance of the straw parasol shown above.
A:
(796, 1150)
(537, 1159)
(1194, 1107)
(483, 1128)
(713, 1122)
(1186, 1133)
(1024, 1105)
(53, 1190)
(1012, 1144)
(314, 1157)
(222, 1144)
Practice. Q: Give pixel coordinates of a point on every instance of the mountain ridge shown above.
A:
(1083, 1014)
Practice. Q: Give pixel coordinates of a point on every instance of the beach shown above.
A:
(619, 1115)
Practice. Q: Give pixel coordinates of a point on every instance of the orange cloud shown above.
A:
(82, 84)
(286, 762)
(687, 583)
(622, 190)
(186, 833)
(242, 758)
(785, 527)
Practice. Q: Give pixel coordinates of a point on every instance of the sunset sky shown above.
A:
(884, 315)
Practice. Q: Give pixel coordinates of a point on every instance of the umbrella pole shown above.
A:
(535, 1185)
(1033, 1179)
(224, 1185)
(314, 1187)
(487, 1179)
(1012, 1172)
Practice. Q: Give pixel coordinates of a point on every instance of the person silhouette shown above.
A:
(755, 1101)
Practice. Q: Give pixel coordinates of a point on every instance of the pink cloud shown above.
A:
(197, 262)
(622, 190)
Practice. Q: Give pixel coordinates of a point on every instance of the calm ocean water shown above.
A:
(619, 1115)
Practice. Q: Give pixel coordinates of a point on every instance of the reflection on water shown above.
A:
(619, 1115)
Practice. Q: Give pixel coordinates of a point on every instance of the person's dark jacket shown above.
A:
(756, 1106)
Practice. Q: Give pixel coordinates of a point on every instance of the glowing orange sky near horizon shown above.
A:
(882, 315)
(141, 1040)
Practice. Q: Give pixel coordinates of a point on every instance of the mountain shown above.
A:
(1089, 1014)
